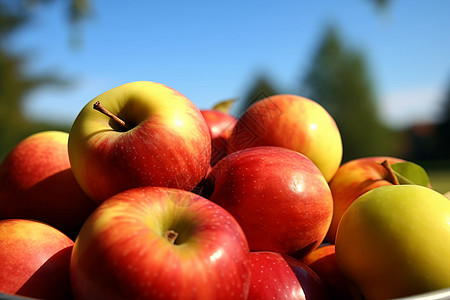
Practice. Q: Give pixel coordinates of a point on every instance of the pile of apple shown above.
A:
(148, 197)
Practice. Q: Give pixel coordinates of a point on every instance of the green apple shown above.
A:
(394, 241)
(147, 135)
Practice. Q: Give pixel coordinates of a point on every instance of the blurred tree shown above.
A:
(381, 4)
(14, 83)
(442, 134)
(261, 88)
(339, 80)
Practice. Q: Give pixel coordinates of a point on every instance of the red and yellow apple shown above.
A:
(279, 197)
(36, 182)
(34, 260)
(323, 262)
(220, 125)
(353, 179)
(275, 276)
(147, 135)
(292, 122)
(155, 242)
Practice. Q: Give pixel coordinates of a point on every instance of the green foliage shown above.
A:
(15, 85)
(261, 88)
(410, 173)
(339, 80)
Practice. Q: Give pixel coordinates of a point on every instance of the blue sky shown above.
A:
(211, 51)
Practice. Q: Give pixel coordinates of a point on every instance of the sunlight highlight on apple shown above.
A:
(297, 185)
(216, 255)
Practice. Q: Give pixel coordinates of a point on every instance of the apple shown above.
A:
(323, 262)
(353, 179)
(292, 122)
(34, 260)
(157, 242)
(275, 276)
(279, 197)
(37, 182)
(393, 241)
(218, 122)
(139, 134)
(220, 125)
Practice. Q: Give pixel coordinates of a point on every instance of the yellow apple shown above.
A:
(394, 241)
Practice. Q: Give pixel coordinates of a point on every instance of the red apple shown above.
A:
(147, 135)
(278, 196)
(281, 277)
(323, 262)
(291, 122)
(36, 182)
(34, 260)
(220, 125)
(353, 179)
(156, 242)
(218, 122)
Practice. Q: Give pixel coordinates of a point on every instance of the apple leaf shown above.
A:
(224, 106)
(410, 173)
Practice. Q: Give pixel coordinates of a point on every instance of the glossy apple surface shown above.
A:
(36, 182)
(166, 143)
(292, 122)
(218, 122)
(220, 125)
(278, 196)
(323, 262)
(156, 242)
(279, 277)
(353, 179)
(393, 242)
(34, 260)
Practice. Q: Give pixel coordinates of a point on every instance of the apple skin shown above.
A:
(291, 122)
(278, 196)
(218, 122)
(323, 262)
(353, 179)
(169, 144)
(220, 125)
(393, 242)
(34, 260)
(275, 276)
(37, 182)
(122, 252)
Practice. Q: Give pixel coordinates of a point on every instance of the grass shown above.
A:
(440, 179)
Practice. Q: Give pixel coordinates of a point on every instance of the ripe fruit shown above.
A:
(158, 242)
(220, 125)
(164, 141)
(278, 196)
(281, 277)
(323, 262)
(36, 182)
(353, 179)
(393, 241)
(34, 260)
(291, 122)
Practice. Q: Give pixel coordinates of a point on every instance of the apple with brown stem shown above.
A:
(147, 134)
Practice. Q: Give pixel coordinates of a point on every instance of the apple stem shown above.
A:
(390, 173)
(171, 235)
(98, 106)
